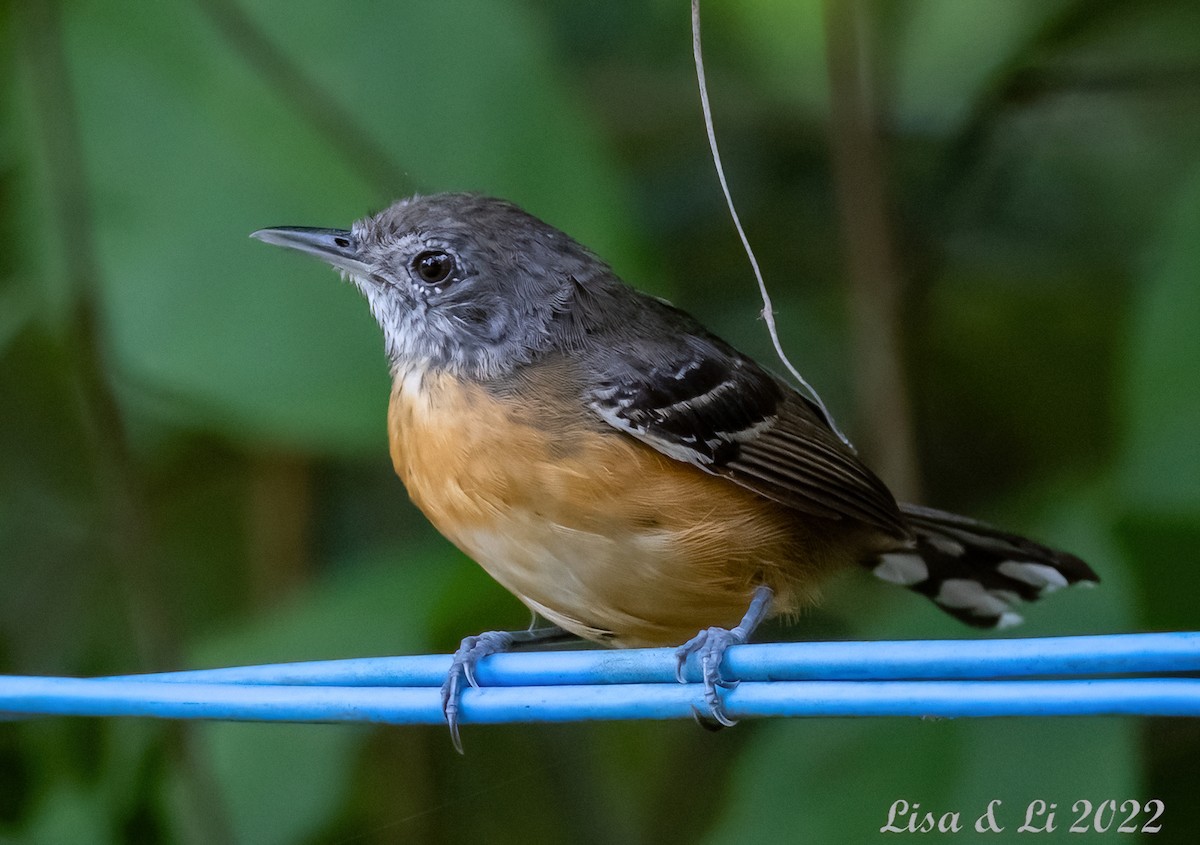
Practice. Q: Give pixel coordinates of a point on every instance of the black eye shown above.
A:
(433, 266)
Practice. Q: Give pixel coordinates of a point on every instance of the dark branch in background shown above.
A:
(280, 506)
(1034, 83)
(118, 482)
(120, 487)
(885, 432)
(335, 123)
(280, 517)
(1020, 82)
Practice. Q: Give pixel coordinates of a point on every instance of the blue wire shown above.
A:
(1114, 654)
(941, 679)
(422, 705)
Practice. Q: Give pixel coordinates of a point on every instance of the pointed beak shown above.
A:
(335, 246)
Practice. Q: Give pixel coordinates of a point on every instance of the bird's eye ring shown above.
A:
(433, 266)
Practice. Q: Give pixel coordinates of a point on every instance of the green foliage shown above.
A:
(1162, 453)
(194, 466)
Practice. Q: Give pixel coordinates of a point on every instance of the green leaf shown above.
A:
(1161, 466)
(188, 151)
(827, 780)
(70, 813)
(786, 41)
(1159, 463)
(947, 53)
(284, 783)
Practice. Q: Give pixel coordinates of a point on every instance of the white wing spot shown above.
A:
(964, 594)
(1009, 619)
(686, 368)
(1007, 596)
(670, 448)
(947, 546)
(903, 568)
(1046, 578)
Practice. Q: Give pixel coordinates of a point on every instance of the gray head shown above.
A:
(461, 282)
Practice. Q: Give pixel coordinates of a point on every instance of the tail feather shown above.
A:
(974, 572)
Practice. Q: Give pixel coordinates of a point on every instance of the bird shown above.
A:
(630, 477)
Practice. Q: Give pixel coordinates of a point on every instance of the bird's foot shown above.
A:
(709, 646)
(474, 649)
(462, 667)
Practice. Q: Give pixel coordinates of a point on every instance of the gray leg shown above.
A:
(471, 651)
(710, 645)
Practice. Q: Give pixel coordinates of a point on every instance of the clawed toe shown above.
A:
(462, 667)
(474, 649)
(709, 645)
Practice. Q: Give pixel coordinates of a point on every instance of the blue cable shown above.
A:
(1113, 654)
(422, 705)
(918, 678)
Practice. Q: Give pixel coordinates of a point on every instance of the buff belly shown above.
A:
(590, 528)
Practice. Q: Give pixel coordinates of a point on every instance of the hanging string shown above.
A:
(768, 312)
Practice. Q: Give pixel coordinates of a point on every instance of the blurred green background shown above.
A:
(984, 248)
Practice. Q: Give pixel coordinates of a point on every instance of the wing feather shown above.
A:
(696, 399)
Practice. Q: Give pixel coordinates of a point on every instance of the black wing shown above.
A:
(696, 399)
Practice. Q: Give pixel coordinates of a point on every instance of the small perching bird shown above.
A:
(630, 477)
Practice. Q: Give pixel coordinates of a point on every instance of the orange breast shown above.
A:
(590, 528)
